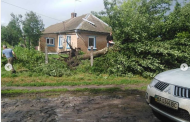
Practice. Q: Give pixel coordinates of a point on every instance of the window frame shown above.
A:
(67, 46)
(49, 44)
(94, 41)
(60, 42)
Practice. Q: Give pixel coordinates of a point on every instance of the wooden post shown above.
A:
(91, 57)
(46, 55)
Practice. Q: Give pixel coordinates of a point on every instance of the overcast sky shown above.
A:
(60, 10)
(57, 9)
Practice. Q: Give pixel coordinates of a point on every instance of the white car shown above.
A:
(169, 95)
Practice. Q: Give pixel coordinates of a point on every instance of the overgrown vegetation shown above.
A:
(33, 62)
(149, 39)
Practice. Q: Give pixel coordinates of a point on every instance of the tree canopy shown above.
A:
(12, 33)
(19, 30)
(33, 27)
(150, 37)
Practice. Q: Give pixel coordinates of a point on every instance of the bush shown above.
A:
(146, 58)
(34, 61)
(53, 68)
(84, 66)
(29, 58)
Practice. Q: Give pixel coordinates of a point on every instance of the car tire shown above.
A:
(161, 117)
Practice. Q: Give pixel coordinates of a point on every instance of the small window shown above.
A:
(50, 41)
(69, 41)
(92, 42)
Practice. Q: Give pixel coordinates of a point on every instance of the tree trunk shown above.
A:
(87, 56)
(74, 58)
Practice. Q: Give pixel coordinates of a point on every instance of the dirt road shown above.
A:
(119, 106)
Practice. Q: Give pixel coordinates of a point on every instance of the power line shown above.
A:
(30, 10)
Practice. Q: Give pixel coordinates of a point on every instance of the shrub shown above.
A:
(35, 62)
(53, 68)
(29, 58)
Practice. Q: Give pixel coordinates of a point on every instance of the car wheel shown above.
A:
(161, 117)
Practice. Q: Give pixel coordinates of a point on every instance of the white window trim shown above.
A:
(60, 36)
(67, 46)
(94, 47)
(49, 41)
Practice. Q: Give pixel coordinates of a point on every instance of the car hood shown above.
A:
(176, 77)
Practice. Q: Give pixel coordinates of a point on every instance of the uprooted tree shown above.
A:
(74, 57)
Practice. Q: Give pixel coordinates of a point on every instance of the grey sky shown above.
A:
(58, 9)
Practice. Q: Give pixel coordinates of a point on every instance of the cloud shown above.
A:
(57, 9)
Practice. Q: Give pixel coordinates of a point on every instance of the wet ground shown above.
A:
(120, 106)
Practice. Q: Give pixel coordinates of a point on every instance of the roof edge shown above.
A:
(100, 20)
(69, 31)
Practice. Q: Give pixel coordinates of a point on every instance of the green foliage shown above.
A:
(12, 33)
(32, 30)
(33, 27)
(53, 68)
(150, 41)
(84, 66)
(101, 15)
(176, 22)
(29, 58)
(144, 58)
(34, 61)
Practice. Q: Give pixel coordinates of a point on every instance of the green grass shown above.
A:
(77, 80)
(15, 92)
(24, 91)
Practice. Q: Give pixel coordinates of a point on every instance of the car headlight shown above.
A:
(154, 81)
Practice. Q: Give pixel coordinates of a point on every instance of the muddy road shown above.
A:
(118, 106)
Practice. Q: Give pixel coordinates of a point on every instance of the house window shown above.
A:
(50, 42)
(92, 42)
(69, 41)
(61, 40)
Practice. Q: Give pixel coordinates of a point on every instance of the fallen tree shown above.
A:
(74, 57)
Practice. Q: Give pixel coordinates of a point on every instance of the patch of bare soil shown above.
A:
(120, 106)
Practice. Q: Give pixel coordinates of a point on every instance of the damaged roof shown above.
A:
(87, 22)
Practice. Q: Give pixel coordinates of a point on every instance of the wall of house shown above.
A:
(42, 43)
(73, 41)
(83, 41)
(80, 42)
(55, 48)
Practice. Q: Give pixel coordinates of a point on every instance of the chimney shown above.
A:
(73, 15)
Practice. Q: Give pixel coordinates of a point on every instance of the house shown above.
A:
(81, 32)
